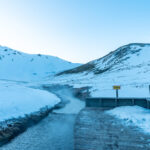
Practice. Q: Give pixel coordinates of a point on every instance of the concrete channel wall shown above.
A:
(113, 102)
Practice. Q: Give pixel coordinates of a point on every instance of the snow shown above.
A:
(20, 66)
(129, 68)
(16, 100)
(133, 115)
(18, 74)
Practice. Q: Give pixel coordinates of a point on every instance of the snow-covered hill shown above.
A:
(128, 66)
(18, 100)
(15, 65)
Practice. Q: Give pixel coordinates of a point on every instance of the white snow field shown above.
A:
(15, 65)
(128, 66)
(133, 115)
(16, 100)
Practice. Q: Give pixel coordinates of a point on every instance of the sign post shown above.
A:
(116, 87)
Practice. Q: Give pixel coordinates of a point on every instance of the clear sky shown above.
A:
(75, 30)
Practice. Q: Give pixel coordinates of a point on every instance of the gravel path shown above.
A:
(53, 133)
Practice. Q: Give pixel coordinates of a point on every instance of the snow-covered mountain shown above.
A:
(15, 65)
(19, 98)
(128, 66)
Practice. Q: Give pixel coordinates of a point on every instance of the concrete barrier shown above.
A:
(113, 102)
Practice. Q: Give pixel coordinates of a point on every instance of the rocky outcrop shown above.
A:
(96, 130)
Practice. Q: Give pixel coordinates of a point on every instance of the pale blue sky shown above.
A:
(75, 30)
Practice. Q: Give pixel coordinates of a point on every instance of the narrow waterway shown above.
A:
(55, 132)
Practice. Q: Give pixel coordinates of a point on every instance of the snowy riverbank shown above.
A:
(17, 100)
(21, 107)
(56, 131)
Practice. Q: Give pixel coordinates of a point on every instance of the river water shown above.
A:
(55, 132)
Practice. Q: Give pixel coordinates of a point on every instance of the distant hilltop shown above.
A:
(16, 65)
(128, 66)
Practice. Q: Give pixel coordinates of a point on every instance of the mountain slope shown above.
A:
(128, 66)
(15, 65)
(118, 57)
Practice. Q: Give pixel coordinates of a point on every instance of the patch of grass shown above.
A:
(80, 69)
